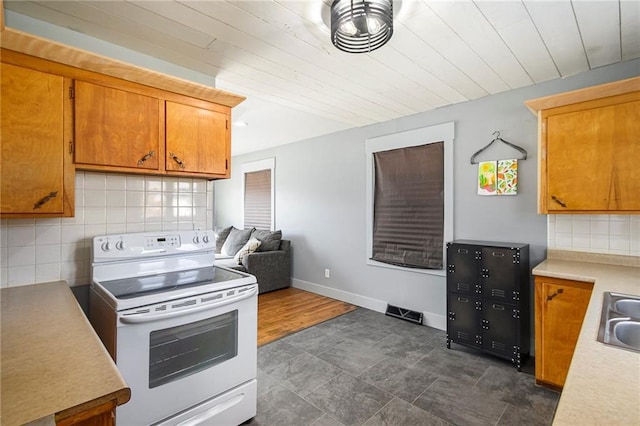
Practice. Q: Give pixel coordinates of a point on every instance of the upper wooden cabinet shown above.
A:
(142, 130)
(116, 127)
(125, 118)
(198, 140)
(588, 150)
(37, 174)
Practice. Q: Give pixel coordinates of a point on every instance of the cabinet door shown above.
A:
(463, 268)
(559, 312)
(500, 323)
(592, 156)
(463, 319)
(198, 140)
(101, 415)
(499, 274)
(116, 128)
(37, 175)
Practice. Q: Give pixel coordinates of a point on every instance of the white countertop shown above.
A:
(603, 383)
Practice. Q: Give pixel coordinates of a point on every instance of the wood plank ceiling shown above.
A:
(278, 52)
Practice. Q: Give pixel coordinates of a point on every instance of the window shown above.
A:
(410, 198)
(258, 194)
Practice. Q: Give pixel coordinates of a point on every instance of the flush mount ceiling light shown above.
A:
(361, 26)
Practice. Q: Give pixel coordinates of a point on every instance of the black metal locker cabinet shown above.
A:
(463, 314)
(499, 324)
(462, 273)
(488, 293)
(500, 273)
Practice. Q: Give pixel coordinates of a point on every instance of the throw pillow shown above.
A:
(270, 240)
(234, 242)
(221, 237)
(251, 246)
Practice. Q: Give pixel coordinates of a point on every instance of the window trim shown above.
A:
(255, 166)
(444, 132)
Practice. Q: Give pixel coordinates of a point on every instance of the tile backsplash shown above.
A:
(41, 250)
(609, 234)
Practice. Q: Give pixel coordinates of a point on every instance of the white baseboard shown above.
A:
(434, 320)
(345, 296)
(429, 319)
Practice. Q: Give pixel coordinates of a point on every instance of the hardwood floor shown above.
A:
(286, 311)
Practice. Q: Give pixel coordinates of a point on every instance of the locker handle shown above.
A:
(463, 299)
(498, 307)
(497, 254)
(463, 251)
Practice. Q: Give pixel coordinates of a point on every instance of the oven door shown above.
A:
(177, 355)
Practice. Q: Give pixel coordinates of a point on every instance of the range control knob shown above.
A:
(106, 246)
(205, 239)
(196, 240)
(120, 245)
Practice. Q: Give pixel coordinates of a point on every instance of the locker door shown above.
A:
(499, 274)
(463, 268)
(499, 328)
(463, 319)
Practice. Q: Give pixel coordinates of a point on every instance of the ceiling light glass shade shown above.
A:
(361, 26)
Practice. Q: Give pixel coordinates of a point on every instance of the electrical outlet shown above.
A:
(327, 273)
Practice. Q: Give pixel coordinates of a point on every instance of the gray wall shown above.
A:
(320, 196)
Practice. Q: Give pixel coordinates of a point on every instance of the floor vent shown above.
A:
(405, 314)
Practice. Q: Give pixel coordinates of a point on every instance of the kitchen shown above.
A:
(475, 123)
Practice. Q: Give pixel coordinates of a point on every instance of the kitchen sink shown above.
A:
(628, 332)
(620, 321)
(629, 307)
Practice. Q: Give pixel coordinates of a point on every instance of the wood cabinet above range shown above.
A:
(125, 126)
(589, 152)
(134, 129)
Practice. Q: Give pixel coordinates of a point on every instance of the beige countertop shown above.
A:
(53, 363)
(603, 383)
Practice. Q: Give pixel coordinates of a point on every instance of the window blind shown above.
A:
(257, 199)
(408, 212)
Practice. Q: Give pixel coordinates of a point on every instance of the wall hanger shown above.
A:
(498, 138)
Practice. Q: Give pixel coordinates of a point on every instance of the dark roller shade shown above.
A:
(408, 211)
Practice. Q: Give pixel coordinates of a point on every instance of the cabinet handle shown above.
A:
(559, 201)
(559, 291)
(176, 159)
(45, 199)
(146, 157)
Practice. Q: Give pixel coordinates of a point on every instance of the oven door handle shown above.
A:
(149, 317)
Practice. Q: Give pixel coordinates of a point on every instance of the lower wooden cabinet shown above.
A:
(101, 415)
(560, 306)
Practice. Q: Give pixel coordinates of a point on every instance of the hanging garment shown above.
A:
(507, 173)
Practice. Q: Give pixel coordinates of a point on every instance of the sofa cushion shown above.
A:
(234, 242)
(270, 240)
(221, 237)
(251, 246)
(229, 262)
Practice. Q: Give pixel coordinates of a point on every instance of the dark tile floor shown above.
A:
(365, 368)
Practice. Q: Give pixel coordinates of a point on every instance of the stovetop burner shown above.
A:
(127, 288)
